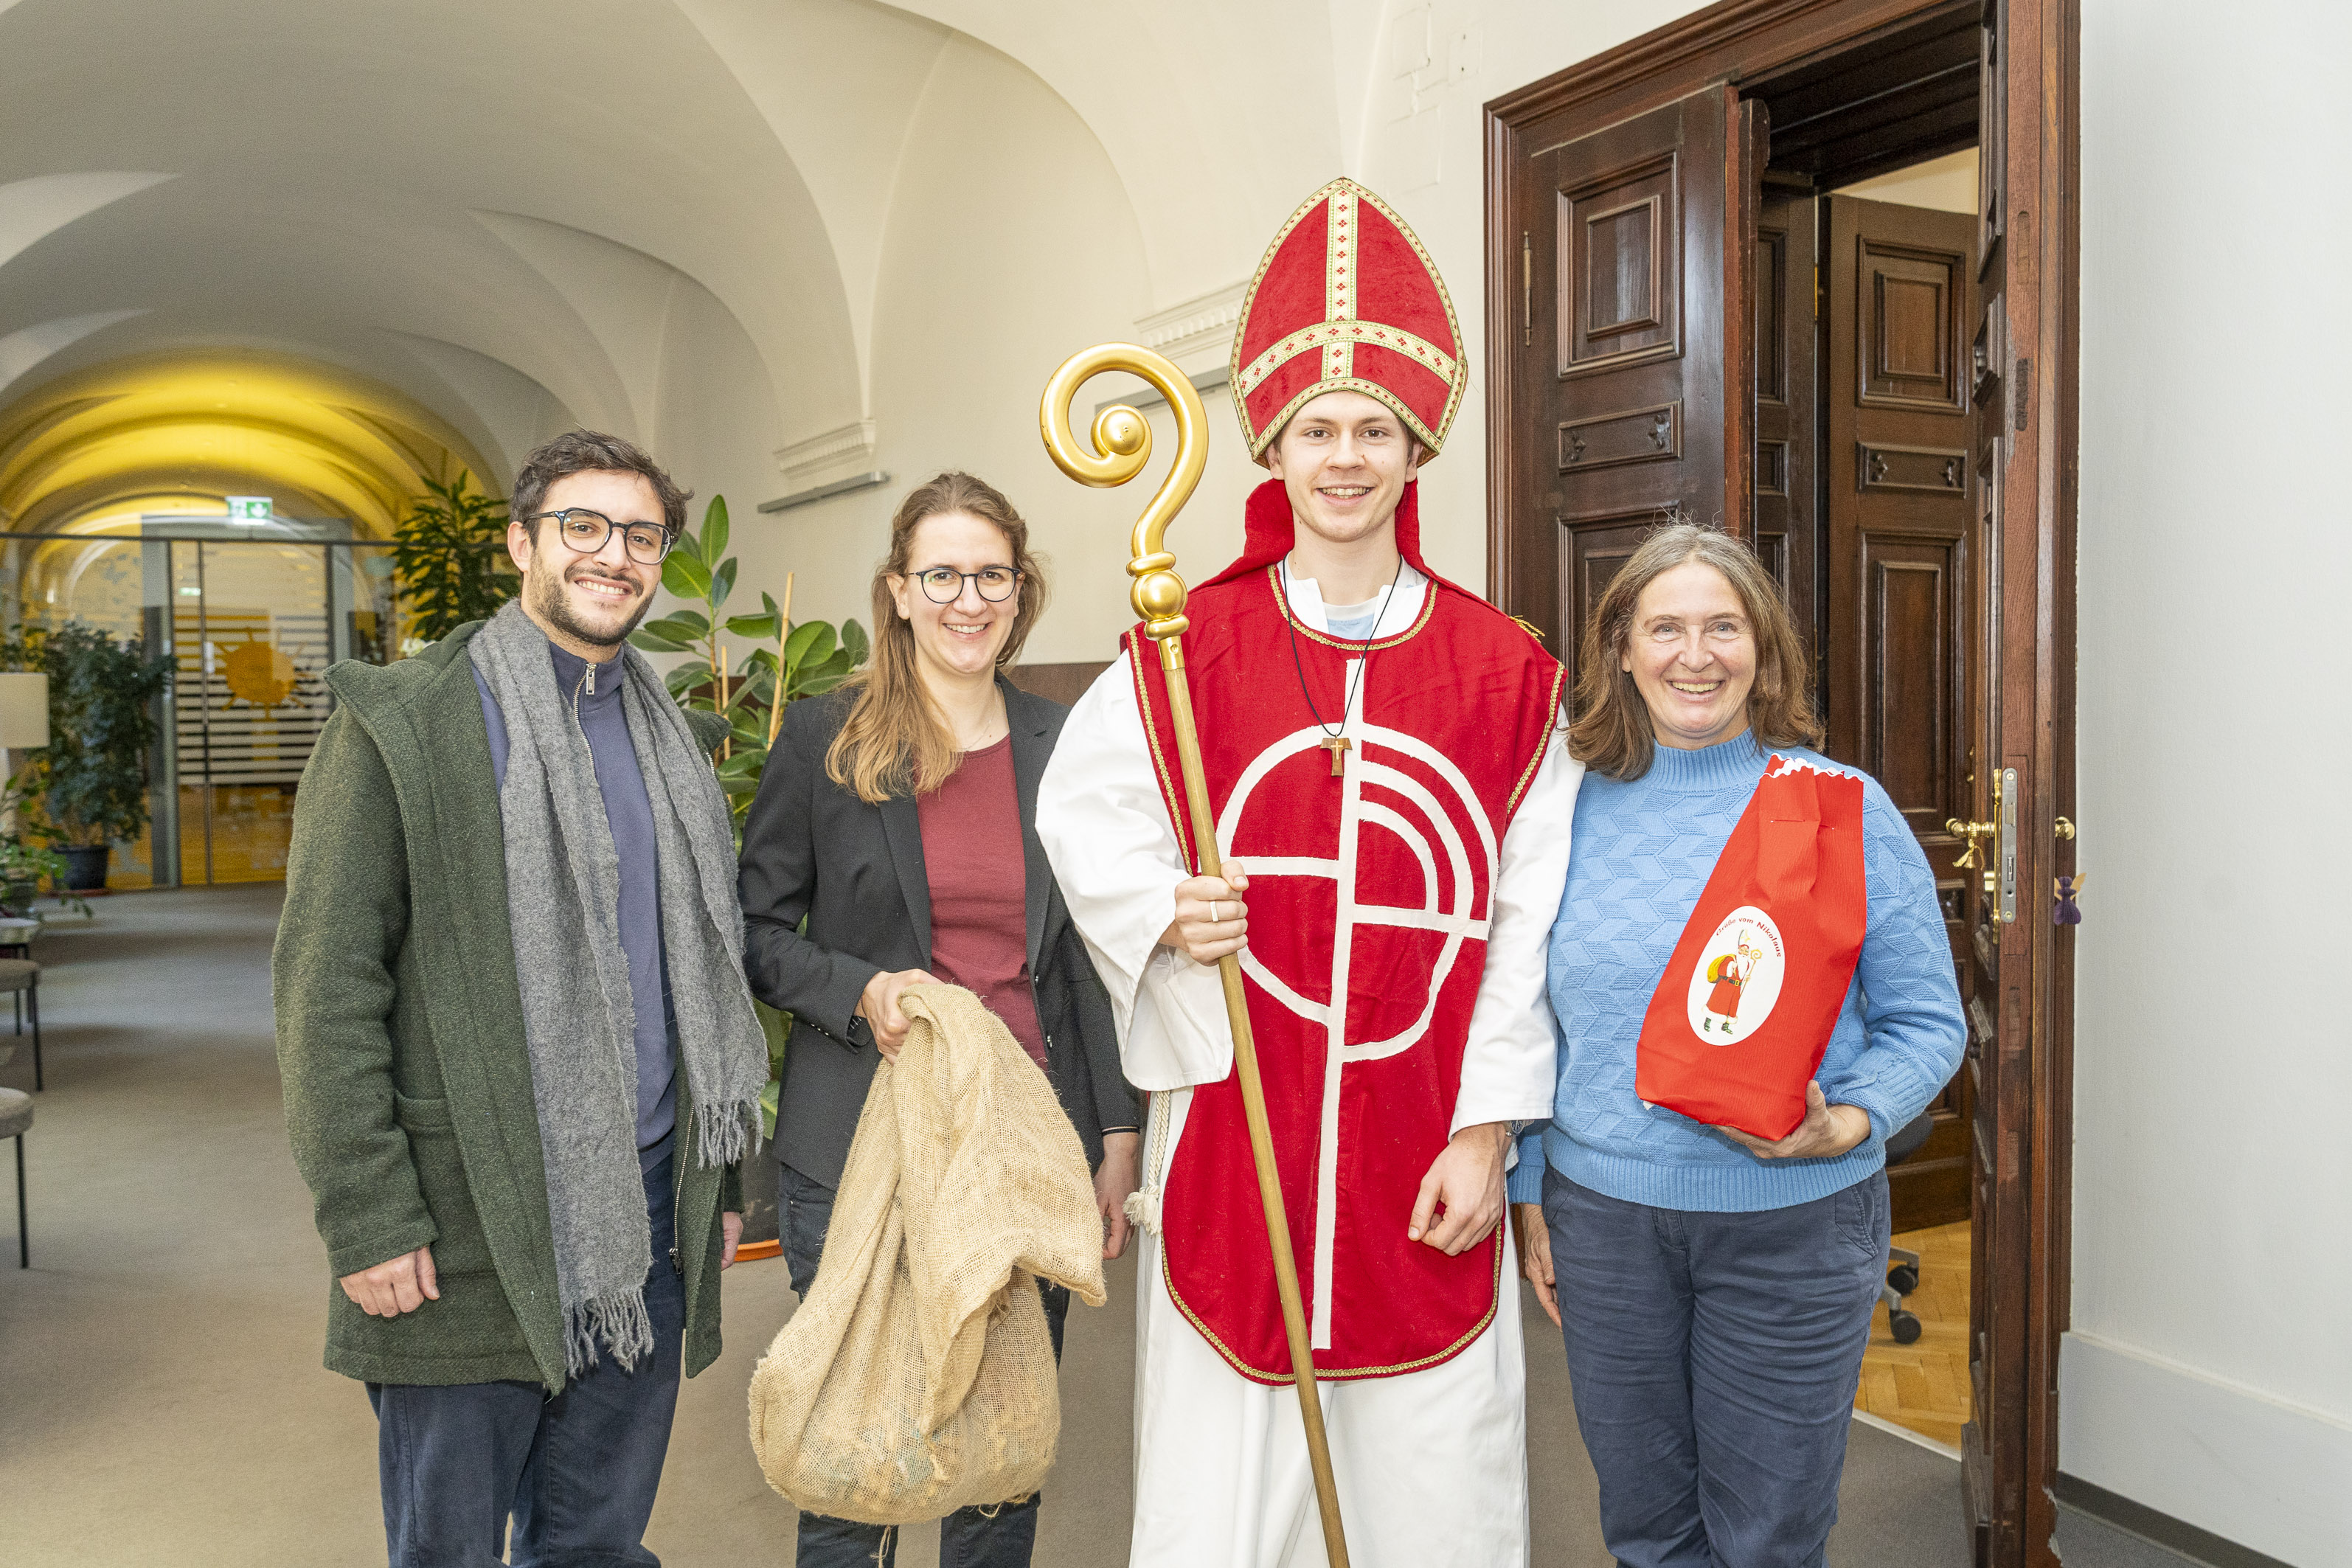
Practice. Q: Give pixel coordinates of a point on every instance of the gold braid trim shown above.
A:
(1169, 793)
(1552, 725)
(1282, 603)
(1337, 1374)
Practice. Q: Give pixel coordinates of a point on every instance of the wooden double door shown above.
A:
(1681, 327)
(1851, 455)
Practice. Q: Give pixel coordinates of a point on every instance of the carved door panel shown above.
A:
(1901, 286)
(1640, 375)
(1785, 286)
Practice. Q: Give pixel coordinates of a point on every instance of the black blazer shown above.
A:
(855, 871)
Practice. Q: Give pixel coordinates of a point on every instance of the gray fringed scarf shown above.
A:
(562, 897)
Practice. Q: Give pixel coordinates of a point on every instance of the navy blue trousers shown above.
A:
(1713, 1358)
(999, 1537)
(577, 1472)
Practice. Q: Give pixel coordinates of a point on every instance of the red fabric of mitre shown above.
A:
(1346, 300)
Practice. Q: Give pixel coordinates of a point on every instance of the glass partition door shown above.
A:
(249, 626)
(249, 647)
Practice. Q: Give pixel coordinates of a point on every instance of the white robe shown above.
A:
(1432, 1466)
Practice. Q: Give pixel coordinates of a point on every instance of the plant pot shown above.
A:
(86, 867)
(762, 1220)
(16, 898)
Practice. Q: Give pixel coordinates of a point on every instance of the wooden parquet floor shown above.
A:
(1924, 1386)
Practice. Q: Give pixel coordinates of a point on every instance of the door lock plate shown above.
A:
(2006, 845)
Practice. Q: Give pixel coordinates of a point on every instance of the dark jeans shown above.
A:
(578, 1472)
(1713, 1358)
(997, 1537)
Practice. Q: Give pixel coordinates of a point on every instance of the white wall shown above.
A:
(1008, 244)
(2209, 1372)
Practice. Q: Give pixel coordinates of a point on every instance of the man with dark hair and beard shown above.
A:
(519, 1057)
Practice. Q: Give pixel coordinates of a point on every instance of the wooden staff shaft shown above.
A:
(1261, 1134)
(783, 632)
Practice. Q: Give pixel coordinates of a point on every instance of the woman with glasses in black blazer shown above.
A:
(897, 816)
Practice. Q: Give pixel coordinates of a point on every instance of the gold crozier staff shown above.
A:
(1121, 441)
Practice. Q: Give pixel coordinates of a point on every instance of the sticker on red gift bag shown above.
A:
(1742, 1016)
(1738, 978)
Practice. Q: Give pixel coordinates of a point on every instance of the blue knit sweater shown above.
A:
(1643, 851)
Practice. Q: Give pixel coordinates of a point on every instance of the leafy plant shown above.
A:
(24, 867)
(88, 785)
(451, 558)
(803, 660)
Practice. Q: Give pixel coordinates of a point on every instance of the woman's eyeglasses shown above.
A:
(586, 532)
(944, 584)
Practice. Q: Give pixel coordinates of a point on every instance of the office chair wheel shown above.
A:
(1903, 1279)
(1904, 1326)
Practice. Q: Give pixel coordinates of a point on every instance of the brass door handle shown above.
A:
(1976, 832)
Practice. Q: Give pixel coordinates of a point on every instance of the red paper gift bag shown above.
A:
(1743, 1014)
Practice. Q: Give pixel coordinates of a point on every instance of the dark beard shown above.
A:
(544, 593)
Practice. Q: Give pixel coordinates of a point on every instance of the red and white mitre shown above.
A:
(1348, 299)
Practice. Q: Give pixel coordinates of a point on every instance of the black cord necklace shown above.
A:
(1335, 739)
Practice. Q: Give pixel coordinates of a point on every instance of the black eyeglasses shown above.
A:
(586, 532)
(944, 584)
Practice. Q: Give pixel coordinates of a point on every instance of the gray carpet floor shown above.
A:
(162, 1399)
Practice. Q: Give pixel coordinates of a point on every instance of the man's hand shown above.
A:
(1121, 1173)
(1466, 1182)
(1211, 919)
(1535, 1256)
(396, 1285)
(879, 1007)
(1827, 1132)
(730, 1235)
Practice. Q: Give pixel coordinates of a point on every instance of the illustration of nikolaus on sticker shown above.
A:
(1729, 973)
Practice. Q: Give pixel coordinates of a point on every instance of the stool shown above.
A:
(23, 977)
(15, 1121)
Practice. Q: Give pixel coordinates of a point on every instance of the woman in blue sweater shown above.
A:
(1715, 1289)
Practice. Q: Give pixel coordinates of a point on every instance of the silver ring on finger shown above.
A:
(1216, 911)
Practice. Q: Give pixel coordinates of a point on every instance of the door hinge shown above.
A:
(2021, 390)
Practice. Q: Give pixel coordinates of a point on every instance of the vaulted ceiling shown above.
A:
(485, 209)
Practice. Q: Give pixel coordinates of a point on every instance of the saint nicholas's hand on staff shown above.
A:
(1210, 921)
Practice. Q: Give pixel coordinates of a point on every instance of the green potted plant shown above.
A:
(806, 659)
(450, 560)
(88, 787)
(24, 867)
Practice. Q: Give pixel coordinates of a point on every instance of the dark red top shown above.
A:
(980, 913)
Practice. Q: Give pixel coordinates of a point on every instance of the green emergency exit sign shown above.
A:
(248, 508)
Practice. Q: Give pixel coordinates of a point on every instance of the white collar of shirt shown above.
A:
(1403, 605)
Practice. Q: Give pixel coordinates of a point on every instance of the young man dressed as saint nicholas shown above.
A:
(1392, 796)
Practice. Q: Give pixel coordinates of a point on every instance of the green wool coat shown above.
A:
(400, 1040)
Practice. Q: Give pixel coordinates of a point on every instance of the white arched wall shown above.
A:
(1009, 244)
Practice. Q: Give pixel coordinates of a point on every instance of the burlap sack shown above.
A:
(918, 1376)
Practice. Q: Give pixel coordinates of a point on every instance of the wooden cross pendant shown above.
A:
(1339, 746)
